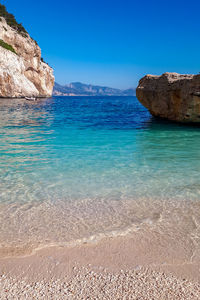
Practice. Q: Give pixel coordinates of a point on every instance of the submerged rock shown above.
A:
(22, 71)
(171, 96)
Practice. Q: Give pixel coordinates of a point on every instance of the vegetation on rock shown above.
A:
(7, 46)
(11, 21)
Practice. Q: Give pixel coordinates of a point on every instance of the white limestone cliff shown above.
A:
(22, 73)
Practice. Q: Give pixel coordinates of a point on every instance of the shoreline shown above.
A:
(130, 256)
(25, 251)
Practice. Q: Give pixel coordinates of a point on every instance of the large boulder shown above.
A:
(171, 96)
(22, 71)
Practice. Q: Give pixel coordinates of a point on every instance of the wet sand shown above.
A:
(139, 265)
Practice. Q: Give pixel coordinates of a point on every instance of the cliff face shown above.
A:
(171, 96)
(22, 73)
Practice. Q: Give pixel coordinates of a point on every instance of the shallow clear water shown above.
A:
(74, 168)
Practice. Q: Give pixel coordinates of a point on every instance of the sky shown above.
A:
(114, 42)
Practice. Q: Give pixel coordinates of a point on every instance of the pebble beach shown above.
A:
(86, 284)
(118, 268)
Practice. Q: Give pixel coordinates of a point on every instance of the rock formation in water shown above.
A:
(171, 96)
(22, 71)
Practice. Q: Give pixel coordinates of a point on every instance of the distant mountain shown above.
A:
(81, 89)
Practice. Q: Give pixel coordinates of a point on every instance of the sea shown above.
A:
(77, 169)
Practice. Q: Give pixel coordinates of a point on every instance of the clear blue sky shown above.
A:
(113, 42)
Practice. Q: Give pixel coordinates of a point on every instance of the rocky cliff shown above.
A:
(22, 72)
(171, 96)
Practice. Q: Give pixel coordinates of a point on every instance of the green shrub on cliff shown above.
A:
(7, 46)
(11, 21)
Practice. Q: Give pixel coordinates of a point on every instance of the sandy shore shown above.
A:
(136, 266)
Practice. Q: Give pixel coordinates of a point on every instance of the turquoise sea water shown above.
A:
(75, 168)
